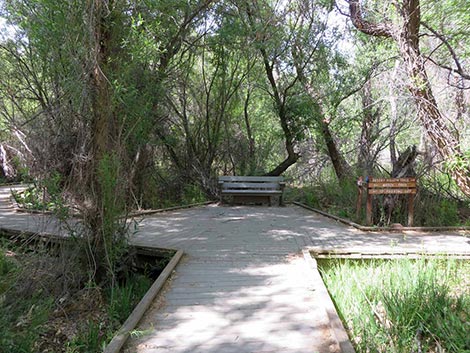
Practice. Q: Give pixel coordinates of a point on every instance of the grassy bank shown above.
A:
(59, 310)
(402, 306)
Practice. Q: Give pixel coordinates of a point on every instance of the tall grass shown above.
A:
(402, 306)
(121, 300)
(21, 319)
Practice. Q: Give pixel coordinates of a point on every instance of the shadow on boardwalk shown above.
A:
(279, 230)
(243, 285)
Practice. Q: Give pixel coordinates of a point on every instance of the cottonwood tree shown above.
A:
(292, 46)
(405, 31)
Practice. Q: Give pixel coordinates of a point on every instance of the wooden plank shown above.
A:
(323, 296)
(392, 180)
(242, 185)
(374, 185)
(251, 178)
(251, 192)
(369, 210)
(120, 338)
(391, 191)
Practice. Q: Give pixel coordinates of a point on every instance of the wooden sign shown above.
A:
(391, 191)
(392, 180)
(378, 185)
(384, 186)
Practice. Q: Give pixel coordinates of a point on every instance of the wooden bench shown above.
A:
(252, 189)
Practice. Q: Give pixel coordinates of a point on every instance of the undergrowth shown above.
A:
(119, 303)
(54, 317)
(21, 321)
(402, 306)
(168, 191)
(330, 196)
(44, 195)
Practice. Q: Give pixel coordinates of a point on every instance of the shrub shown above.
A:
(432, 211)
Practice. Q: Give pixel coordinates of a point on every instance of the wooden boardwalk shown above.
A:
(243, 285)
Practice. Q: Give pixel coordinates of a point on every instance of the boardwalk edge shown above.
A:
(121, 337)
(379, 229)
(337, 329)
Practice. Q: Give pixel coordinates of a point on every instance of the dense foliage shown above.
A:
(56, 312)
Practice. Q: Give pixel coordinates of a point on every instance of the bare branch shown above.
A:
(341, 11)
(374, 29)
(443, 66)
(459, 71)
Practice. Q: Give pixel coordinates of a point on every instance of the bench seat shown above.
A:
(260, 192)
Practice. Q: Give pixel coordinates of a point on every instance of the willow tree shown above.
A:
(292, 45)
(90, 69)
(405, 31)
(268, 32)
(70, 52)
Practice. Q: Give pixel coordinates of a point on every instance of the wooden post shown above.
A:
(358, 203)
(359, 198)
(369, 209)
(411, 199)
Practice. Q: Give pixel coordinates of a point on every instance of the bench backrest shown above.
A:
(255, 179)
(251, 182)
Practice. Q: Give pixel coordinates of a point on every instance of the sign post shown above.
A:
(394, 186)
(360, 183)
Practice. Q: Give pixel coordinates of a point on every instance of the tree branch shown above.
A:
(373, 29)
(460, 71)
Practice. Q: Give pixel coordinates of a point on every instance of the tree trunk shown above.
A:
(283, 166)
(407, 38)
(279, 101)
(251, 139)
(102, 216)
(404, 165)
(292, 156)
(393, 120)
(420, 88)
(340, 165)
(141, 167)
(365, 160)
